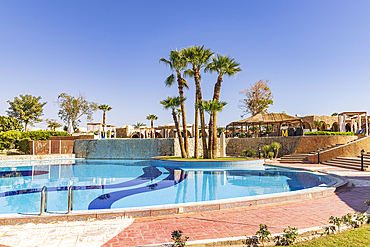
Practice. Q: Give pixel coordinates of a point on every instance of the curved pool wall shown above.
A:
(333, 182)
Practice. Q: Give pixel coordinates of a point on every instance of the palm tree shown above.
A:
(211, 107)
(151, 117)
(138, 125)
(223, 65)
(198, 57)
(173, 103)
(177, 64)
(104, 108)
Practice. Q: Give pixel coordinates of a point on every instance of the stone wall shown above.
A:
(289, 144)
(191, 142)
(145, 148)
(312, 143)
(352, 149)
(123, 148)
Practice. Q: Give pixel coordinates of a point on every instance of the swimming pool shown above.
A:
(116, 184)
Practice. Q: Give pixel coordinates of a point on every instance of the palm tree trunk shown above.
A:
(182, 148)
(202, 125)
(196, 130)
(104, 117)
(216, 96)
(151, 126)
(184, 126)
(210, 137)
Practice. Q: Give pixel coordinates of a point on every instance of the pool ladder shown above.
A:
(44, 199)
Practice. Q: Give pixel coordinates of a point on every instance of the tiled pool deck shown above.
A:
(223, 223)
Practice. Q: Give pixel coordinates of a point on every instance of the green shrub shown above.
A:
(277, 146)
(271, 155)
(329, 133)
(24, 145)
(42, 135)
(244, 153)
(10, 139)
(252, 153)
(265, 150)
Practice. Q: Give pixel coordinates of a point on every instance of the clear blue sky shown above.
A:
(315, 53)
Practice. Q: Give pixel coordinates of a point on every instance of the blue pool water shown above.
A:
(110, 184)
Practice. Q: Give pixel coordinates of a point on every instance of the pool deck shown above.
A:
(212, 225)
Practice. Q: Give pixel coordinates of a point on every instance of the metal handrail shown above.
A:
(44, 199)
(70, 199)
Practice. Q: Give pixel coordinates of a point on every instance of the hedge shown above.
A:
(329, 133)
(10, 139)
(24, 145)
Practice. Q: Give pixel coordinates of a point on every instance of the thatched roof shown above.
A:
(268, 118)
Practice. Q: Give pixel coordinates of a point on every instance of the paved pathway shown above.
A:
(199, 226)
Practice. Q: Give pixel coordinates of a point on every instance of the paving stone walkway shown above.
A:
(78, 233)
(199, 226)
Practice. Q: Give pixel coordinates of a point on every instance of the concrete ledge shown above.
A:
(8, 158)
(158, 160)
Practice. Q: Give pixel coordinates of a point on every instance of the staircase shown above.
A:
(294, 158)
(350, 162)
(337, 145)
(302, 157)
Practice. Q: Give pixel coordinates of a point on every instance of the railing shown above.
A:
(70, 199)
(44, 199)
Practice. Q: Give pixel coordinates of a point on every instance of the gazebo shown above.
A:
(275, 120)
(356, 122)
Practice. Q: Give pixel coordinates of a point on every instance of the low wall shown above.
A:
(350, 150)
(289, 144)
(146, 148)
(123, 148)
(312, 143)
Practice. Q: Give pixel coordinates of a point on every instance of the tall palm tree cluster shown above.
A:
(189, 62)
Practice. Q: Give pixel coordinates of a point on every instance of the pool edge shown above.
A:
(153, 211)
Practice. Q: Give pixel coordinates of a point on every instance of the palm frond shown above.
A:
(170, 80)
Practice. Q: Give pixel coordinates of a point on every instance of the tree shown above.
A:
(26, 109)
(173, 103)
(53, 124)
(259, 97)
(151, 118)
(334, 114)
(318, 124)
(198, 57)
(104, 108)
(9, 123)
(211, 107)
(138, 125)
(72, 108)
(223, 65)
(177, 64)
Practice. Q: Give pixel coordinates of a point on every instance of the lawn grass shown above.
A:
(201, 159)
(354, 237)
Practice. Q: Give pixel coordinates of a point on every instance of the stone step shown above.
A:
(349, 166)
(352, 160)
(347, 162)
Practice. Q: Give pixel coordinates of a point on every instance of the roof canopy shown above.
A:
(352, 113)
(268, 118)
